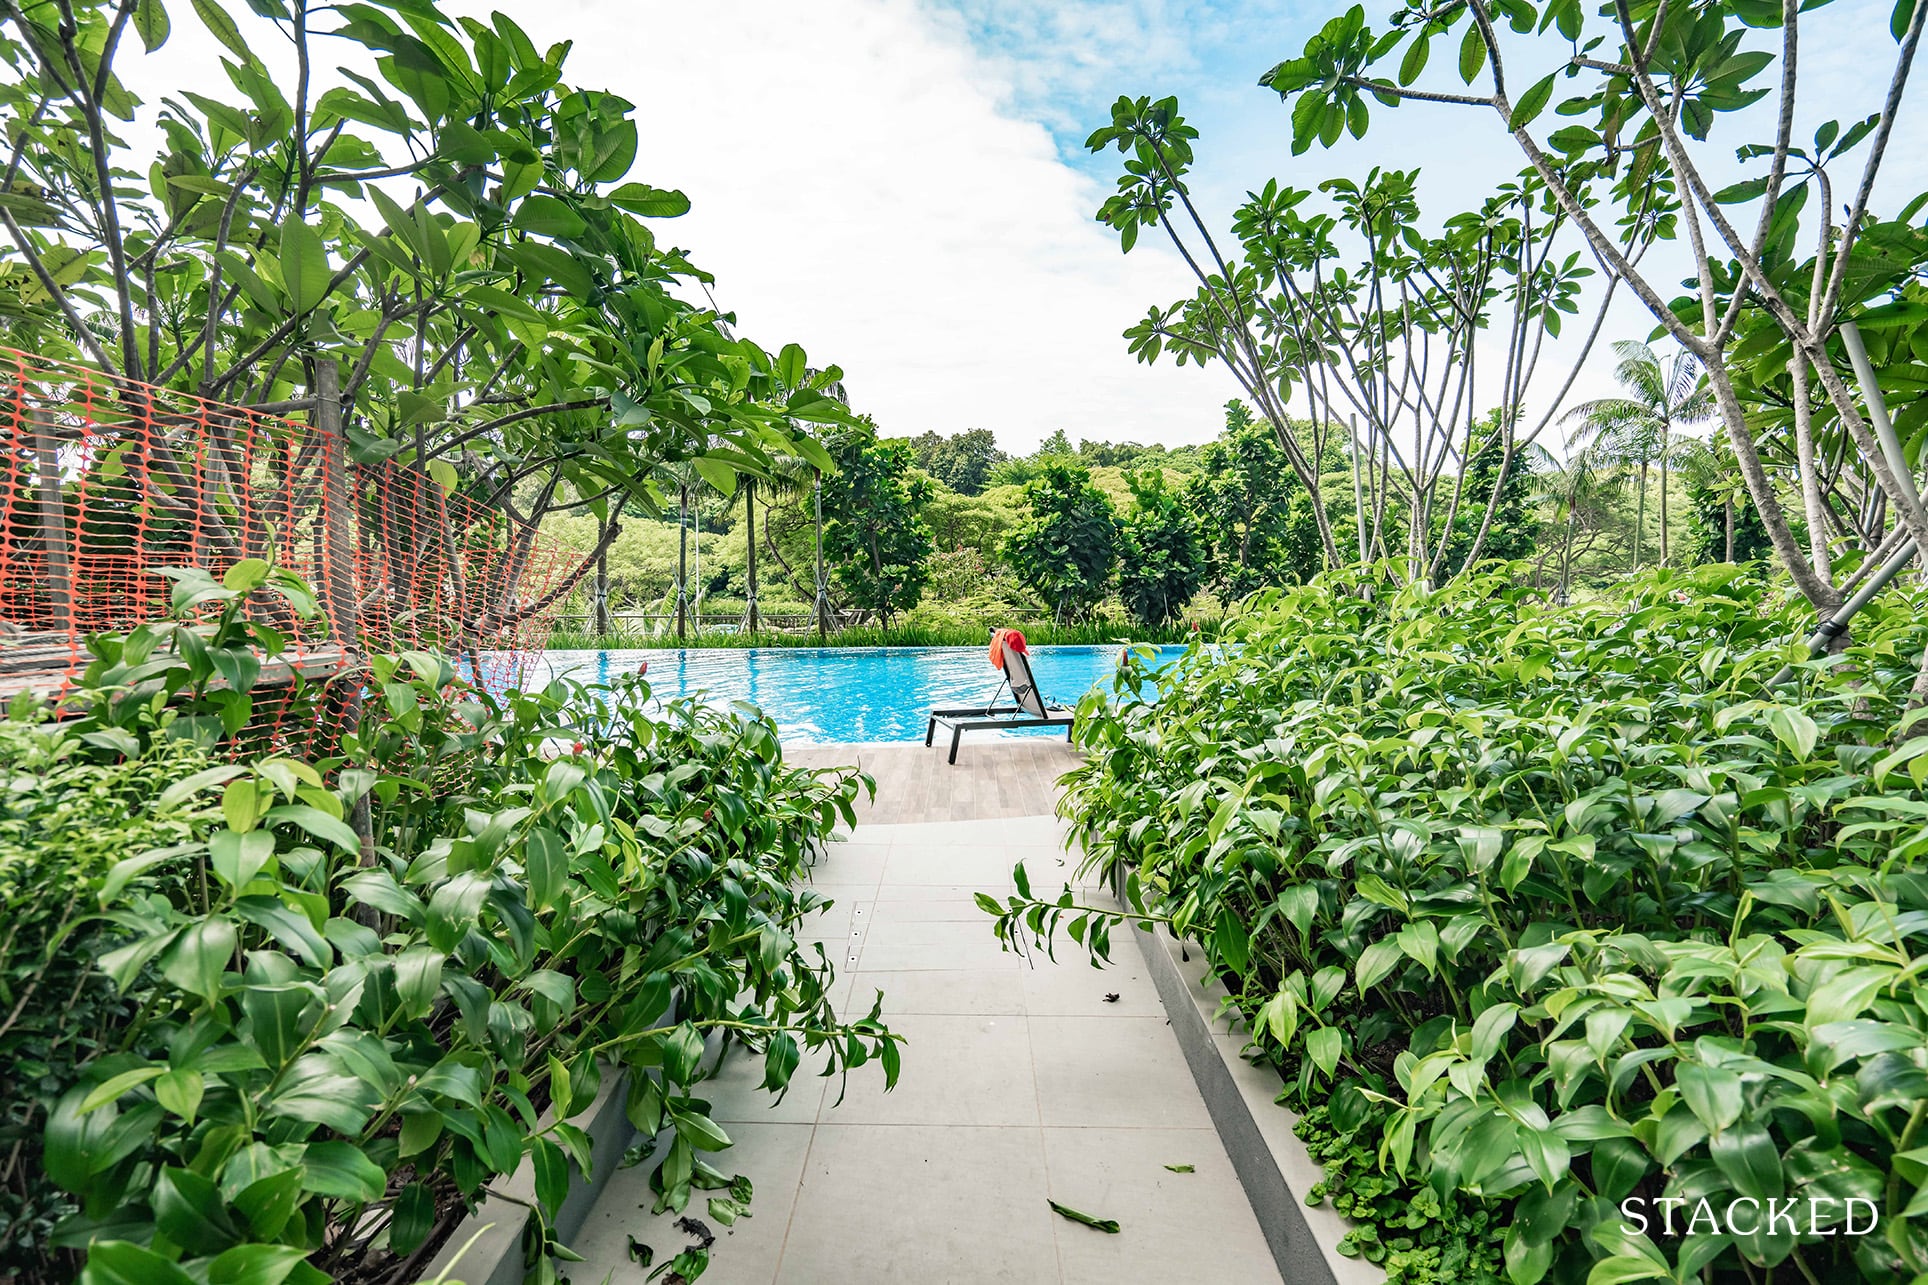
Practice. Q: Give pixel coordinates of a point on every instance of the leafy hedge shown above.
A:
(344, 996)
(1541, 909)
(67, 814)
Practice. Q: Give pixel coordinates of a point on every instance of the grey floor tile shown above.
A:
(1072, 987)
(1113, 1072)
(957, 1070)
(960, 952)
(890, 1205)
(834, 920)
(1172, 1227)
(851, 863)
(770, 1155)
(908, 866)
(735, 1091)
(969, 992)
(922, 892)
(957, 902)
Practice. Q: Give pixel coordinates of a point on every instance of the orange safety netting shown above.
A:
(105, 482)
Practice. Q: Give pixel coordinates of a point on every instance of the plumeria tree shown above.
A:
(1623, 116)
(444, 216)
(1373, 325)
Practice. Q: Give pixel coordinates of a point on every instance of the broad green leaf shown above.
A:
(151, 24)
(199, 956)
(304, 266)
(222, 27)
(255, 1265)
(1323, 1046)
(238, 858)
(1472, 53)
(1531, 104)
(341, 1169)
(1712, 1093)
(179, 1092)
(112, 1089)
(317, 823)
(119, 1262)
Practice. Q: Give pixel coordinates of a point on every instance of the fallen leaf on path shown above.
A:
(1107, 1225)
(1181, 1168)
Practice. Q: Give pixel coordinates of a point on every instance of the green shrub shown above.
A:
(1555, 908)
(353, 992)
(68, 812)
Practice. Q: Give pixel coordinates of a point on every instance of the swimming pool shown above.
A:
(841, 695)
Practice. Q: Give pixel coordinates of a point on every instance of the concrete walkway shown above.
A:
(1021, 1084)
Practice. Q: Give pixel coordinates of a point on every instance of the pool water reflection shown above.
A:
(840, 695)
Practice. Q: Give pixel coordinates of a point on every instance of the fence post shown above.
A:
(53, 520)
(338, 537)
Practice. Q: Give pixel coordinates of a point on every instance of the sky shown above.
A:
(901, 185)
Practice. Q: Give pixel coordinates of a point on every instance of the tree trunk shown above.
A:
(823, 598)
(1640, 515)
(1728, 505)
(749, 543)
(1664, 548)
(600, 591)
(1812, 501)
(1818, 591)
(682, 561)
(1566, 554)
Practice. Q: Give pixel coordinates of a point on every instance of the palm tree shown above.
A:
(1583, 489)
(688, 483)
(1641, 429)
(1709, 467)
(788, 477)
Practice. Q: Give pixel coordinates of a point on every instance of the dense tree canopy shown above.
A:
(1161, 556)
(875, 536)
(1068, 549)
(449, 219)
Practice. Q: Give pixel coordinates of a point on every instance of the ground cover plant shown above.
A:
(1543, 909)
(290, 1024)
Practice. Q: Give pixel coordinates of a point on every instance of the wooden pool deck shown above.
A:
(992, 778)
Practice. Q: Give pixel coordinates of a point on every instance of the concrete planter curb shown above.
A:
(496, 1258)
(1271, 1162)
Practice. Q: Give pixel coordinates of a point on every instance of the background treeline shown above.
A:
(1085, 538)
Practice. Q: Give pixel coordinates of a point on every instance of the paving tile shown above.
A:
(956, 902)
(1113, 1072)
(957, 1070)
(770, 1155)
(966, 992)
(940, 892)
(1072, 987)
(852, 863)
(735, 1091)
(978, 948)
(1172, 1227)
(1001, 831)
(834, 920)
(926, 866)
(885, 1205)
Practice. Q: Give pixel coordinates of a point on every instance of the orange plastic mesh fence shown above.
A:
(105, 482)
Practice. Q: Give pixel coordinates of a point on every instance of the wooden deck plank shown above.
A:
(994, 778)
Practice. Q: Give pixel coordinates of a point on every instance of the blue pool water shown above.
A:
(841, 695)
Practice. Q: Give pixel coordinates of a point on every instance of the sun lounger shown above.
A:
(1028, 707)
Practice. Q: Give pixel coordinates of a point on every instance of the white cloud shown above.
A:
(884, 181)
(860, 187)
